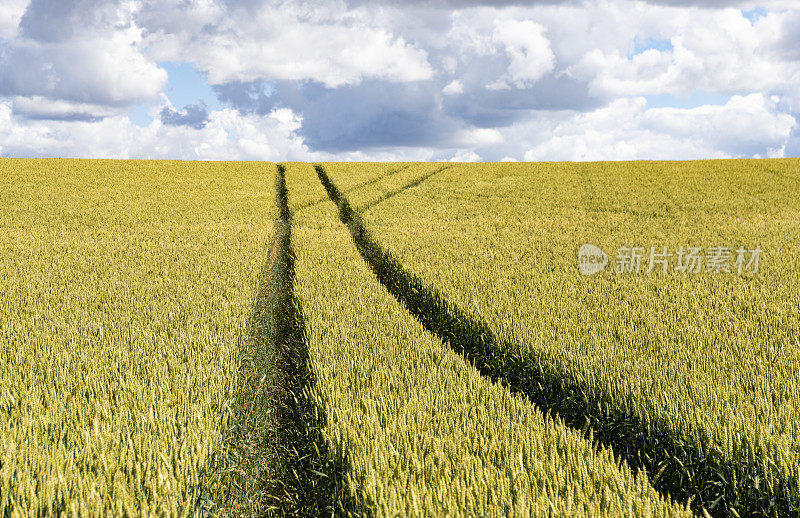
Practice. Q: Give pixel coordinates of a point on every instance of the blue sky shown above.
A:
(351, 80)
(185, 87)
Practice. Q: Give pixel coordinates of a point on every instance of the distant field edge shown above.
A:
(678, 467)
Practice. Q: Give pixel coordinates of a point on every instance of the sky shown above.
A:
(448, 80)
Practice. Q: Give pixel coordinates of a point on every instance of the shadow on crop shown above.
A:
(678, 468)
(277, 460)
(391, 194)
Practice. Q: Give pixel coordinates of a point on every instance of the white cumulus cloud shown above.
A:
(11, 12)
(292, 41)
(528, 50)
(91, 69)
(228, 135)
(627, 130)
(351, 79)
(454, 87)
(712, 50)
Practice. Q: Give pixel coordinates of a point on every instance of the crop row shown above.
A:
(125, 289)
(158, 358)
(694, 378)
(420, 430)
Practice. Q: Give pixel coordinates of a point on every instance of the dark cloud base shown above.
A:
(378, 114)
(194, 116)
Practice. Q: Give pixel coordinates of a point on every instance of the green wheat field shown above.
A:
(399, 339)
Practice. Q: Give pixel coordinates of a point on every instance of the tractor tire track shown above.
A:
(285, 466)
(399, 190)
(677, 467)
(356, 187)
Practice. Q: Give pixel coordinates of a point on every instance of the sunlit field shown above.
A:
(240, 338)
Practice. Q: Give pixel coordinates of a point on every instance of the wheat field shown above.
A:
(394, 339)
